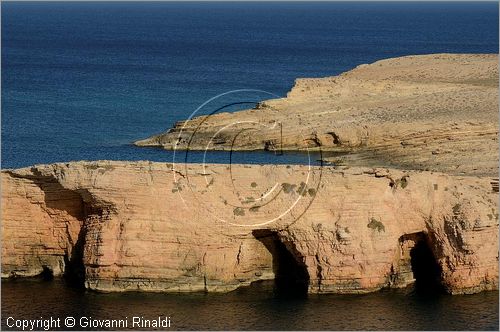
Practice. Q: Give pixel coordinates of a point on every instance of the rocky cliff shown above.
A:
(426, 112)
(160, 227)
(417, 203)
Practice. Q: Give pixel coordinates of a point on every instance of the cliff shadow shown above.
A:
(417, 252)
(57, 197)
(74, 269)
(291, 275)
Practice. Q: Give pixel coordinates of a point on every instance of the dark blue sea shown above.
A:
(82, 81)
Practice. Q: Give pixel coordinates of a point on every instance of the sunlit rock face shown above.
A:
(123, 226)
(436, 112)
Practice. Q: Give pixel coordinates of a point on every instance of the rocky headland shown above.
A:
(414, 198)
(434, 112)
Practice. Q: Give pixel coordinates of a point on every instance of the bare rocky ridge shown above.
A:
(429, 112)
(146, 226)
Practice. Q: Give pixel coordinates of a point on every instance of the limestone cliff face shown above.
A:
(426, 112)
(162, 227)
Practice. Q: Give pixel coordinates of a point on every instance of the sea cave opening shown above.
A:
(424, 266)
(47, 274)
(291, 276)
(74, 268)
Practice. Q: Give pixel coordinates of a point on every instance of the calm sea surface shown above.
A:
(257, 308)
(82, 81)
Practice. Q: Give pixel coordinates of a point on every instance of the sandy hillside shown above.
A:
(430, 112)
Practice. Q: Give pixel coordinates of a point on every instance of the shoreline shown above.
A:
(143, 226)
(426, 112)
(415, 175)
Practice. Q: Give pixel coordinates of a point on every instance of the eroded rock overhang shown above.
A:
(120, 226)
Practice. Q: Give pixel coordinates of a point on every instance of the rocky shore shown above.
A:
(412, 199)
(128, 226)
(434, 112)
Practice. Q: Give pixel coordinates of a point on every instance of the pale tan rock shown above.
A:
(430, 112)
(143, 226)
(41, 221)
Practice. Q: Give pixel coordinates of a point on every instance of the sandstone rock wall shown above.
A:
(163, 227)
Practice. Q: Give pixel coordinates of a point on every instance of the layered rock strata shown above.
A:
(434, 112)
(162, 227)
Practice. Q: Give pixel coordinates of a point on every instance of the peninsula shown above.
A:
(413, 198)
(434, 112)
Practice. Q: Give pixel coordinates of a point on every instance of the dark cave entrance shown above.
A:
(424, 266)
(47, 274)
(74, 272)
(291, 276)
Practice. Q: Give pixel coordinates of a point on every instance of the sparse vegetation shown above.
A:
(301, 190)
(317, 227)
(239, 211)
(287, 187)
(177, 187)
(376, 225)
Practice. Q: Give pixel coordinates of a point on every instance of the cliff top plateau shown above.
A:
(429, 112)
(428, 217)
